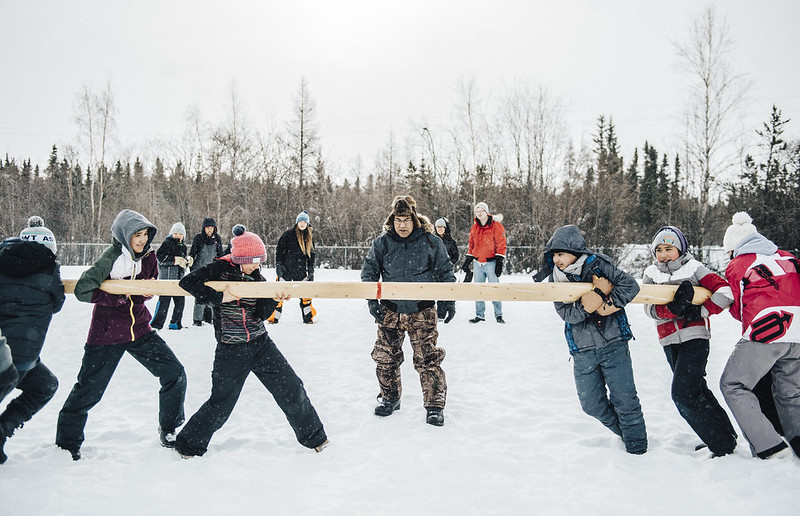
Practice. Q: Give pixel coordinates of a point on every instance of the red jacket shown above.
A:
(486, 242)
(766, 293)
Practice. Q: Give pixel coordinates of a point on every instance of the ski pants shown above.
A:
(618, 408)
(695, 402)
(97, 368)
(162, 309)
(388, 355)
(38, 386)
(233, 363)
(485, 272)
(748, 363)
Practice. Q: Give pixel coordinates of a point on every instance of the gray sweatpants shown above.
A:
(748, 363)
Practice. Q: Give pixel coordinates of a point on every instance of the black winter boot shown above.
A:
(795, 444)
(167, 438)
(6, 431)
(435, 416)
(386, 407)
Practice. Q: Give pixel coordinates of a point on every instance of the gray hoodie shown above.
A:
(126, 224)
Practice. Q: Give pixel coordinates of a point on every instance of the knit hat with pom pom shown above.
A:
(741, 228)
(248, 248)
(238, 230)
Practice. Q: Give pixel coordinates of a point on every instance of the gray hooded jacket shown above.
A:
(582, 329)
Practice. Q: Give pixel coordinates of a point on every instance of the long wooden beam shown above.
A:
(565, 292)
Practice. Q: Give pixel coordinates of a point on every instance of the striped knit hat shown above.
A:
(248, 248)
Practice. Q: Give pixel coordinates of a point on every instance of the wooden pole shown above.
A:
(565, 292)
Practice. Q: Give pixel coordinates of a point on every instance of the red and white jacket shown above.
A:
(671, 328)
(766, 292)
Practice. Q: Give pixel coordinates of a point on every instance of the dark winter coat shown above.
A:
(582, 329)
(449, 243)
(166, 254)
(420, 257)
(235, 322)
(118, 319)
(291, 262)
(30, 282)
(205, 248)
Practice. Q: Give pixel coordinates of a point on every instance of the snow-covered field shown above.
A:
(515, 440)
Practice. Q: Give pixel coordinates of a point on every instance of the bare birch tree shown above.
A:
(716, 93)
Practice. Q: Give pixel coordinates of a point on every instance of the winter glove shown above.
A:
(189, 261)
(180, 262)
(466, 266)
(498, 265)
(468, 277)
(376, 310)
(681, 304)
(280, 270)
(693, 313)
(449, 310)
(310, 276)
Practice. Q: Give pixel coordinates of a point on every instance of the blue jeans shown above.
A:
(483, 272)
(618, 408)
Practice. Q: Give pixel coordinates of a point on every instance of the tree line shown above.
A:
(510, 151)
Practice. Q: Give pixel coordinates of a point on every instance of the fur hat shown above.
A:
(303, 215)
(35, 221)
(482, 205)
(406, 206)
(670, 235)
(248, 248)
(741, 228)
(178, 227)
(39, 234)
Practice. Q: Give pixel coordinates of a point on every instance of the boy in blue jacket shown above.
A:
(597, 331)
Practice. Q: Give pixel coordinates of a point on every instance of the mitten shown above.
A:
(376, 310)
(280, 270)
(466, 266)
(449, 310)
(468, 277)
(682, 301)
(180, 262)
(189, 261)
(498, 265)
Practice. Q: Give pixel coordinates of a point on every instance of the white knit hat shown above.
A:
(483, 206)
(178, 227)
(39, 234)
(741, 228)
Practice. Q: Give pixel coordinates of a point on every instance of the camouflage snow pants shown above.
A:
(388, 355)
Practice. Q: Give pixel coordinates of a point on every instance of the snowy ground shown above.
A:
(514, 442)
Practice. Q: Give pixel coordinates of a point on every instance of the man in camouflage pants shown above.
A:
(407, 251)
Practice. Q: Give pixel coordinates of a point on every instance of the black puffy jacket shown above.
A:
(30, 293)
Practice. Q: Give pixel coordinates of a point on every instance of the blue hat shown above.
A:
(302, 216)
(670, 235)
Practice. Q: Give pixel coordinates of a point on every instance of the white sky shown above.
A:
(372, 66)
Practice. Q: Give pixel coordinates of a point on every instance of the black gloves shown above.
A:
(449, 308)
(466, 265)
(376, 310)
(280, 270)
(310, 276)
(498, 265)
(468, 277)
(681, 305)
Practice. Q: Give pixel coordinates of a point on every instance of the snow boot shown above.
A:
(198, 323)
(76, 453)
(795, 444)
(435, 416)
(6, 431)
(321, 446)
(386, 407)
(175, 326)
(500, 319)
(167, 438)
(477, 320)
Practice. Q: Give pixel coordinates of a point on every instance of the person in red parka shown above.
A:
(487, 248)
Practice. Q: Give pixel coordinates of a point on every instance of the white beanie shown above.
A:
(178, 227)
(39, 234)
(483, 206)
(441, 222)
(741, 228)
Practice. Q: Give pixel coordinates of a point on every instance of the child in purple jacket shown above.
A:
(121, 323)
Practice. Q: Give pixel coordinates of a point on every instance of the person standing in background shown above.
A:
(206, 246)
(487, 247)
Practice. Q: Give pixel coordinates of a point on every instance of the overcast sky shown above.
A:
(372, 66)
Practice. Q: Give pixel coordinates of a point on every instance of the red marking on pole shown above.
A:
(379, 290)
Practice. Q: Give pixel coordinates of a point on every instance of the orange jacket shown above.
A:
(486, 242)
